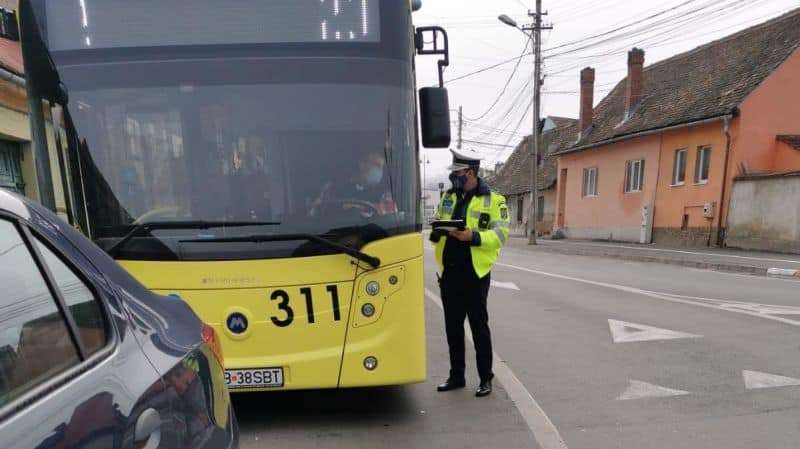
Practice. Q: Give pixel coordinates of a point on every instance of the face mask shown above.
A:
(458, 181)
(374, 177)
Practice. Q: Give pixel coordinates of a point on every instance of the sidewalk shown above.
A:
(731, 260)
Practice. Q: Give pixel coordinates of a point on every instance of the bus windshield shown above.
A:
(314, 158)
(313, 140)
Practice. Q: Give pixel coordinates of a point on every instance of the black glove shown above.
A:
(437, 235)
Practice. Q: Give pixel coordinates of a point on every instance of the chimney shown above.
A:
(587, 100)
(634, 88)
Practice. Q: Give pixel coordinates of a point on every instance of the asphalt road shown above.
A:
(599, 352)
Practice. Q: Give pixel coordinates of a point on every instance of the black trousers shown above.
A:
(464, 296)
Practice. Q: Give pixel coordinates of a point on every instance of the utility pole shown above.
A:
(536, 35)
(460, 124)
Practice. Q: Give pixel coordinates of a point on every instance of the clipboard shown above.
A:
(449, 225)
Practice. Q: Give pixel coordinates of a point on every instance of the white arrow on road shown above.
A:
(624, 332)
(640, 390)
(754, 380)
(506, 285)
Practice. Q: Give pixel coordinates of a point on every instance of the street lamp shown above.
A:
(534, 37)
(508, 20)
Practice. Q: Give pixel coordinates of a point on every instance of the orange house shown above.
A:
(656, 159)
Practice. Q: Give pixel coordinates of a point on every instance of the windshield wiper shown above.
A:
(143, 228)
(374, 262)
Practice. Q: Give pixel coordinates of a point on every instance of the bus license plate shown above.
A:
(254, 378)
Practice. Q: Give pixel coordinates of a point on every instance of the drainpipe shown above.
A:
(41, 154)
(65, 185)
(726, 127)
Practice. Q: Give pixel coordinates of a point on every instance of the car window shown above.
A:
(82, 304)
(34, 340)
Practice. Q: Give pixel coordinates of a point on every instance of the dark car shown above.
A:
(89, 358)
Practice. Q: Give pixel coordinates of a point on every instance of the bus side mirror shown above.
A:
(435, 117)
(434, 105)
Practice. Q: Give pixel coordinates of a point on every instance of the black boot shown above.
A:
(452, 384)
(485, 389)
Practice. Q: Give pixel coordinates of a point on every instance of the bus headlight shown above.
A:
(370, 363)
(368, 310)
(373, 288)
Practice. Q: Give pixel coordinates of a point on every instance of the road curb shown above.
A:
(783, 272)
(716, 266)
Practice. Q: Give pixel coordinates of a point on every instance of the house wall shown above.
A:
(673, 202)
(772, 109)
(545, 226)
(14, 125)
(765, 214)
(517, 226)
(612, 214)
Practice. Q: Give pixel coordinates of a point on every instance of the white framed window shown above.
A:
(634, 175)
(702, 164)
(679, 167)
(590, 181)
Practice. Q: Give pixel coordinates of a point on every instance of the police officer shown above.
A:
(465, 259)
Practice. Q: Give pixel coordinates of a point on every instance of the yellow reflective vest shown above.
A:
(487, 214)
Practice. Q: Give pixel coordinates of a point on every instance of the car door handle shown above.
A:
(148, 429)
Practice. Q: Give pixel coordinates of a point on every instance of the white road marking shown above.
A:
(754, 380)
(783, 272)
(624, 332)
(544, 431)
(640, 390)
(763, 308)
(662, 250)
(506, 285)
(755, 307)
(748, 276)
(655, 295)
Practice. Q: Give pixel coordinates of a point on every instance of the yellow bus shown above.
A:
(258, 160)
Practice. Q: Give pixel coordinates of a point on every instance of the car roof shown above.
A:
(10, 202)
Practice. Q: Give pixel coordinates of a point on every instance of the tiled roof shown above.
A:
(709, 81)
(514, 177)
(561, 121)
(792, 140)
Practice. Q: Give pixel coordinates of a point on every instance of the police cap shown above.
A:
(463, 160)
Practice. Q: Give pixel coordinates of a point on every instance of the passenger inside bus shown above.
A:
(249, 185)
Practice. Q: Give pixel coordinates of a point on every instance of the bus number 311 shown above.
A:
(288, 312)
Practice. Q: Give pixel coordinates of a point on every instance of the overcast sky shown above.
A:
(662, 28)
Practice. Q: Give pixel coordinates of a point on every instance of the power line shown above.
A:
(485, 128)
(606, 33)
(485, 69)
(643, 29)
(490, 144)
(670, 34)
(505, 87)
(521, 95)
(519, 125)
